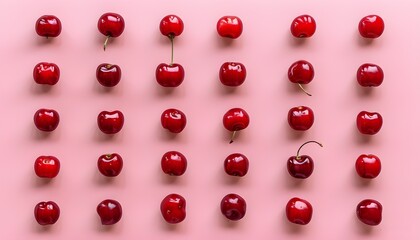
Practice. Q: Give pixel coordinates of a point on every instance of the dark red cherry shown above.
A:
(110, 165)
(368, 166)
(233, 207)
(109, 211)
(232, 74)
(48, 26)
(230, 27)
(369, 122)
(236, 164)
(173, 208)
(46, 119)
(174, 163)
(46, 213)
(46, 73)
(171, 26)
(303, 26)
(299, 211)
(369, 212)
(301, 72)
(47, 166)
(173, 120)
(108, 75)
(371, 26)
(301, 166)
(300, 118)
(370, 75)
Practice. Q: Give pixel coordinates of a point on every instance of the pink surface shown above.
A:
(267, 50)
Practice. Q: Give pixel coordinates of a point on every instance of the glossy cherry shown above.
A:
(173, 120)
(173, 208)
(46, 213)
(371, 26)
(174, 163)
(232, 74)
(236, 164)
(47, 166)
(299, 211)
(369, 212)
(46, 119)
(110, 122)
(301, 72)
(46, 73)
(303, 26)
(233, 207)
(368, 166)
(111, 25)
(108, 75)
(48, 26)
(300, 118)
(369, 122)
(170, 75)
(301, 166)
(171, 25)
(234, 120)
(110, 165)
(229, 27)
(109, 211)
(370, 75)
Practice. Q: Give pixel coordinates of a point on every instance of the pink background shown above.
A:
(267, 50)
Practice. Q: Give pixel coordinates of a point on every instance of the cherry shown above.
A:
(173, 120)
(232, 74)
(303, 26)
(236, 164)
(171, 25)
(234, 120)
(369, 212)
(299, 211)
(46, 213)
(46, 119)
(301, 166)
(108, 75)
(229, 27)
(46, 73)
(174, 163)
(369, 122)
(47, 166)
(300, 118)
(371, 26)
(110, 122)
(170, 75)
(173, 207)
(233, 207)
(111, 25)
(301, 72)
(368, 166)
(110, 165)
(48, 26)
(370, 75)
(110, 211)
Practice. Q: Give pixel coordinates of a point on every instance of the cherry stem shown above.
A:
(171, 37)
(106, 41)
(232, 137)
(297, 154)
(301, 87)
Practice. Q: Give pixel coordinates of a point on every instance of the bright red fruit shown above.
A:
(236, 164)
(232, 74)
(303, 26)
(230, 27)
(46, 73)
(369, 212)
(234, 120)
(173, 120)
(46, 119)
(301, 72)
(371, 26)
(110, 211)
(301, 166)
(171, 26)
(174, 163)
(48, 26)
(368, 166)
(299, 211)
(108, 75)
(300, 118)
(111, 25)
(233, 207)
(370, 75)
(47, 166)
(173, 209)
(46, 213)
(110, 165)
(110, 122)
(170, 75)
(369, 122)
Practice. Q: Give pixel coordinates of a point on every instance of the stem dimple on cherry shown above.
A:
(106, 41)
(301, 87)
(297, 154)
(172, 37)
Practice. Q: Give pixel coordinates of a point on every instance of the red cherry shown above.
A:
(232, 74)
(170, 75)
(301, 166)
(371, 26)
(234, 120)
(171, 26)
(46, 119)
(110, 165)
(108, 75)
(173, 120)
(229, 27)
(301, 72)
(47, 166)
(299, 211)
(303, 26)
(236, 164)
(46, 213)
(300, 118)
(111, 25)
(369, 212)
(174, 163)
(110, 211)
(173, 207)
(368, 166)
(369, 122)
(110, 122)
(48, 26)
(233, 207)
(46, 73)
(370, 75)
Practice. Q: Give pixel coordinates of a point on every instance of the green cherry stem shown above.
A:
(297, 154)
(172, 37)
(106, 41)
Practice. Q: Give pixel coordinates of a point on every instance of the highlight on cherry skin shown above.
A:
(368, 166)
(234, 120)
(301, 72)
(108, 75)
(303, 26)
(46, 73)
(371, 26)
(173, 120)
(301, 166)
(174, 163)
(48, 26)
(109, 211)
(46, 120)
(236, 164)
(46, 213)
(47, 166)
(173, 208)
(369, 212)
(299, 211)
(233, 207)
(300, 118)
(370, 75)
(369, 123)
(111, 25)
(110, 122)
(229, 27)
(110, 165)
(232, 74)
